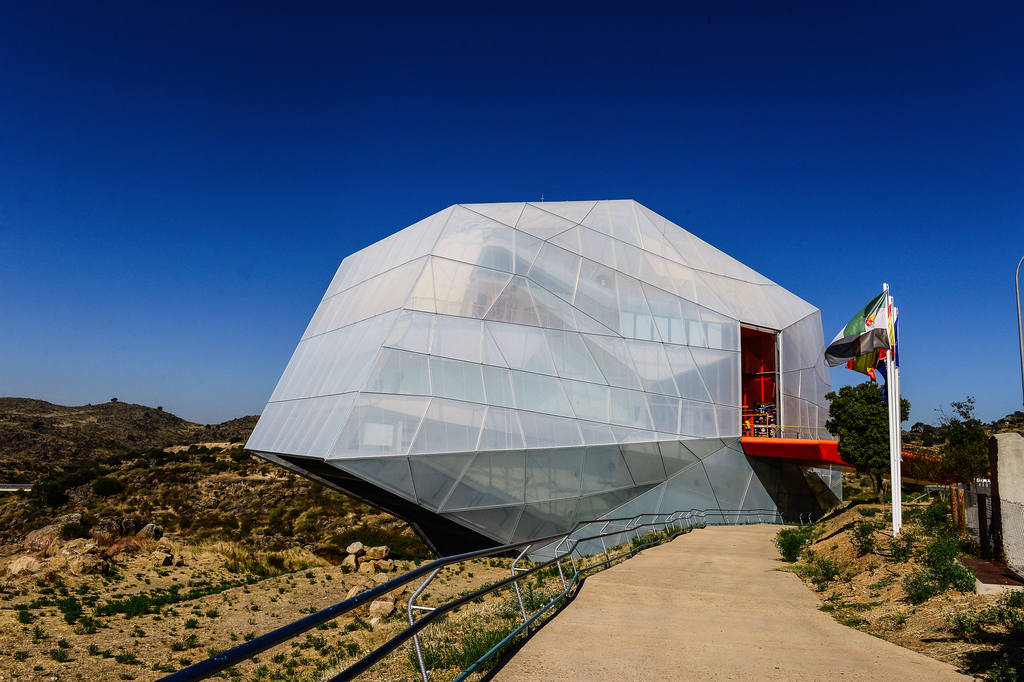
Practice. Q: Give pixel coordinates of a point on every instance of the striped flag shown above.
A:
(866, 332)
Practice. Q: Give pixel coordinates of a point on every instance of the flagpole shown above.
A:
(894, 462)
(898, 411)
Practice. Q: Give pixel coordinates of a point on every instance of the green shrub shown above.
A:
(20, 655)
(864, 538)
(966, 625)
(790, 542)
(919, 586)
(901, 548)
(72, 530)
(105, 486)
(1002, 671)
(868, 511)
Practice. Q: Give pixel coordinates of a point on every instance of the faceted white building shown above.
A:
(496, 372)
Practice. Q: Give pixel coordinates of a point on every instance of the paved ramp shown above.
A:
(709, 606)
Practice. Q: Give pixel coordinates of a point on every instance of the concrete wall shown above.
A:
(1010, 448)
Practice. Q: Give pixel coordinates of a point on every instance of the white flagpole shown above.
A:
(899, 423)
(893, 396)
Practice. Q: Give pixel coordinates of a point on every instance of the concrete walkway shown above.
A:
(709, 606)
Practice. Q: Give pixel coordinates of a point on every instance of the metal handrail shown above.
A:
(224, 660)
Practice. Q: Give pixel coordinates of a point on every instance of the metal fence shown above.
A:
(564, 550)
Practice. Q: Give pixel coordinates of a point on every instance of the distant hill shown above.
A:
(39, 439)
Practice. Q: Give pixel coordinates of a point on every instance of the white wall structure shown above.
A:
(496, 372)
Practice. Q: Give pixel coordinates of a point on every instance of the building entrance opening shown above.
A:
(759, 351)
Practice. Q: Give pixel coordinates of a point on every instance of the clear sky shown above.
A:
(180, 181)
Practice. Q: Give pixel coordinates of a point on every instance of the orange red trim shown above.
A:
(797, 450)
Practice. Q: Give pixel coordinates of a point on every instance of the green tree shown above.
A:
(859, 416)
(964, 456)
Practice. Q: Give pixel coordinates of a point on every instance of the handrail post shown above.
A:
(410, 607)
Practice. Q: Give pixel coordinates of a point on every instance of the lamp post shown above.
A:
(1020, 327)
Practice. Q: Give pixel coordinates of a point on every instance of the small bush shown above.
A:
(790, 542)
(1002, 671)
(20, 655)
(901, 548)
(919, 587)
(868, 511)
(72, 530)
(105, 486)
(864, 538)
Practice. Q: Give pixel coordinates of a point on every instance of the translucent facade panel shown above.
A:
(514, 305)
(588, 401)
(729, 421)
(490, 351)
(458, 338)
(644, 462)
(498, 383)
(605, 469)
(540, 393)
(705, 447)
(676, 457)
(547, 431)
(652, 367)
(573, 211)
(693, 324)
(380, 294)
(542, 224)
(527, 250)
(596, 294)
(289, 421)
(553, 474)
(557, 270)
(598, 219)
(668, 276)
(684, 369)
(471, 238)
(456, 380)
(665, 310)
(613, 360)
(802, 344)
(449, 426)
(707, 298)
(730, 475)
(623, 220)
(522, 347)
(390, 473)
(544, 519)
(629, 408)
(399, 371)
(794, 307)
(664, 412)
(596, 434)
(593, 507)
(571, 357)
(628, 259)
(697, 419)
(413, 331)
(553, 312)
(501, 430)
(465, 290)
(505, 213)
(721, 373)
(720, 331)
(436, 475)
(598, 247)
(635, 317)
(422, 295)
(380, 426)
(689, 489)
(790, 416)
(351, 359)
(568, 240)
(625, 434)
(493, 479)
(321, 432)
(496, 522)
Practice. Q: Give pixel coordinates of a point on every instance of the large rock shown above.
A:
(350, 561)
(79, 546)
(368, 567)
(356, 548)
(118, 526)
(356, 589)
(88, 564)
(25, 565)
(380, 609)
(381, 552)
(386, 565)
(150, 531)
(162, 558)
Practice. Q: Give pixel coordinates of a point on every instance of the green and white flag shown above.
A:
(866, 332)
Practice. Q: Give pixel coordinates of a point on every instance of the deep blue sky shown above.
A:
(179, 181)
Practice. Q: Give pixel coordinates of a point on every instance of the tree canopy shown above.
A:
(859, 417)
(964, 456)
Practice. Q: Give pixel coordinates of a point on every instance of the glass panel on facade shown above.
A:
(458, 338)
(553, 474)
(449, 426)
(435, 476)
(493, 479)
